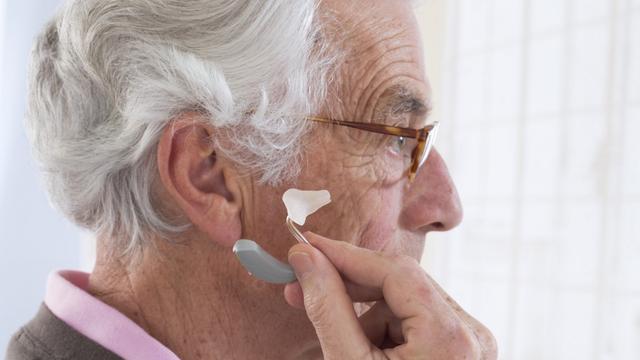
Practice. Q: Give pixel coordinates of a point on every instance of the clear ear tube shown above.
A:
(293, 229)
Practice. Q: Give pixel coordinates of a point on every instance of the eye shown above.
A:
(400, 144)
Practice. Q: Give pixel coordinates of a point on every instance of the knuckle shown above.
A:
(464, 343)
(469, 343)
(407, 266)
(409, 271)
(410, 267)
(424, 293)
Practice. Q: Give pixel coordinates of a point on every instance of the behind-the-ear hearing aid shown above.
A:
(260, 263)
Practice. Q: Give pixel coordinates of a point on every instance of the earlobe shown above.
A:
(198, 181)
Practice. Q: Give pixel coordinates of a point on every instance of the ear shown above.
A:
(198, 181)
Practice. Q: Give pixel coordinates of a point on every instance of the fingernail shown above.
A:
(301, 263)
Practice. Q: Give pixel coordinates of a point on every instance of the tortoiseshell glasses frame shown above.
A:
(424, 137)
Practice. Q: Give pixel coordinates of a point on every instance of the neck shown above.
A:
(201, 305)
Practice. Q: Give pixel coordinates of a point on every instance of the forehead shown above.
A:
(365, 19)
(382, 54)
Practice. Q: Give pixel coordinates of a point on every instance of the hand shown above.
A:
(413, 318)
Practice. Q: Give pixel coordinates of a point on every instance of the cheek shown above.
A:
(382, 226)
(365, 191)
(264, 221)
(367, 218)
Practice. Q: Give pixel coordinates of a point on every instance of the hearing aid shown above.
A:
(262, 265)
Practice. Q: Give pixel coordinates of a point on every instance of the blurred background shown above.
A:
(540, 101)
(540, 105)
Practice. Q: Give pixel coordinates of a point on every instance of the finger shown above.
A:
(374, 322)
(403, 283)
(328, 305)
(294, 296)
(427, 320)
(484, 336)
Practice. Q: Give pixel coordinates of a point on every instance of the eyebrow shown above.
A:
(402, 100)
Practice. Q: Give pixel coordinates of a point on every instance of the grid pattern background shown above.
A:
(541, 101)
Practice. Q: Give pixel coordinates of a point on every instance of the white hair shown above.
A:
(107, 76)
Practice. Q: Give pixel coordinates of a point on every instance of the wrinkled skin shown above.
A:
(195, 297)
(372, 205)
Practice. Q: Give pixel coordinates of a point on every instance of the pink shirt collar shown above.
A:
(68, 299)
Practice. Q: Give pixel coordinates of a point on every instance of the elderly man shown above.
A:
(172, 128)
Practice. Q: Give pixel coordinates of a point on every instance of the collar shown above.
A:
(68, 299)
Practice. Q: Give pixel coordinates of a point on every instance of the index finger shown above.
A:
(401, 281)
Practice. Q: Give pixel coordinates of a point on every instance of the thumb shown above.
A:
(328, 305)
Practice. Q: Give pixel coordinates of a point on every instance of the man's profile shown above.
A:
(171, 129)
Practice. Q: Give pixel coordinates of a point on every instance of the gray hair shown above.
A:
(107, 76)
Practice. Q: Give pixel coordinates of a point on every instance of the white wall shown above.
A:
(34, 239)
(541, 123)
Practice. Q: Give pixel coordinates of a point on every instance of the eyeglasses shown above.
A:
(423, 138)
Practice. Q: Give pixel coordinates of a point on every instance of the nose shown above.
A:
(432, 202)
